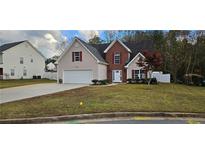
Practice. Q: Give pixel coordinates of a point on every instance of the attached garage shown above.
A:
(77, 76)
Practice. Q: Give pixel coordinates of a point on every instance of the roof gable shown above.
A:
(113, 42)
(139, 54)
(93, 51)
(98, 50)
(7, 46)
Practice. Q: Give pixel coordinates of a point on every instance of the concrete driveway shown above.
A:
(18, 93)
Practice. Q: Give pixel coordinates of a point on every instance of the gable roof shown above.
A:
(98, 50)
(139, 54)
(139, 47)
(9, 45)
(134, 47)
(93, 50)
(113, 42)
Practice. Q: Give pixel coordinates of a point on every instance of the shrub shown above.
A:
(107, 81)
(197, 80)
(95, 81)
(129, 80)
(34, 77)
(60, 81)
(102, 82)
(137, 80)
(153, 81)
(203, 82)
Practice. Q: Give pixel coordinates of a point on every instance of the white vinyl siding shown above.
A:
(1, 58)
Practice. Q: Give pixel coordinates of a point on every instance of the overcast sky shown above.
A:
(46, 41)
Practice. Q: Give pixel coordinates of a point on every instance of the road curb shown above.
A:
(100, 115)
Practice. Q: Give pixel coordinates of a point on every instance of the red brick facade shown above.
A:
(124, 54)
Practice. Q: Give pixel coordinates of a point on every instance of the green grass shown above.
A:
(23, 82)
(123, 97)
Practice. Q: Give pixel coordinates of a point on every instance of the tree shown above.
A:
(200, 56)
(152, 61)
(158, 39)
(95, 40)
(110, 35)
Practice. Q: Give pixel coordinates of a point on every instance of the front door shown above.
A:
(117, 76)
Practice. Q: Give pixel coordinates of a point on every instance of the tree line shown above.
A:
(183, 51)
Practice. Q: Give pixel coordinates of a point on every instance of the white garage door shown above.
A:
(82, 76)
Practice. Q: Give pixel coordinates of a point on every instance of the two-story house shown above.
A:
(20, 60)
(115, 61)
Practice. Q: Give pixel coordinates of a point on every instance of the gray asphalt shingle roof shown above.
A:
(98, 49)
(9, 45)
(93, 50)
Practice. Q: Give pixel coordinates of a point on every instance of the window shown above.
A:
(138, 74)
(117, 58)
(12, 72)
(21, 60)
(77, 56)
(31, 60)
(24, 72)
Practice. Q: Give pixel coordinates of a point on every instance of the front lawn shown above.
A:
(123, 97)
(23, 82)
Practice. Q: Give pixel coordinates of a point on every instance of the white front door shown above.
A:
(117, 76)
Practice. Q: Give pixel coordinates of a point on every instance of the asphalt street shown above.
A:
(138, 120)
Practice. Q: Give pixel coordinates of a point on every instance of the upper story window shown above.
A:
(117, 58)
(21, 60)
(12, 72)
(77, 56)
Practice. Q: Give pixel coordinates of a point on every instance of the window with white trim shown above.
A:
(117, 58)
(24, 72)
(136, 74)
(12, 72)
(21, 60)
(77, 56)
(139, 74)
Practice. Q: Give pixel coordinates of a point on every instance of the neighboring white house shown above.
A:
(20, 60)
